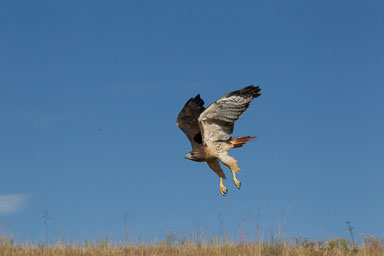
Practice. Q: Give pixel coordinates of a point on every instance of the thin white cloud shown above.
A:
(11, 203)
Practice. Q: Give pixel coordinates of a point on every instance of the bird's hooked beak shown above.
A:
(188, 156)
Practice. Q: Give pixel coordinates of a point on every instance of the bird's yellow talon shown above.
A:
(223, 190)
(237, 183)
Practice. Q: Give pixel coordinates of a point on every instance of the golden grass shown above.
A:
(336, 247)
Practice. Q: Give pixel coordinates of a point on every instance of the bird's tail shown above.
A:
(239, 142)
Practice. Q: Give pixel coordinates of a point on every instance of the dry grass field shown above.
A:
(337, 247)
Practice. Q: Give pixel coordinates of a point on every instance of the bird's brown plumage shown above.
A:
(209, 129)
(187, 121)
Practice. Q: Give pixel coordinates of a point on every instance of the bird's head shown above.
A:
(192, 156)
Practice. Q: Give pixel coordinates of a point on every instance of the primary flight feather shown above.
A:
(209, 129)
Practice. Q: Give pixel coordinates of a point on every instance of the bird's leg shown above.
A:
(215, 166)
(236, 181)
(223, 189)
(231, 163)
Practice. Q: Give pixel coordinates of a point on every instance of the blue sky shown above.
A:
(90, 92)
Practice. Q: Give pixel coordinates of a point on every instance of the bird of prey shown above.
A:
(208, 130)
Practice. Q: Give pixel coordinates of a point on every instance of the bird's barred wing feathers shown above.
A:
(187, 120)
(217, 121)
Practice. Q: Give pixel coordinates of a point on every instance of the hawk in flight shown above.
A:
(208, 130)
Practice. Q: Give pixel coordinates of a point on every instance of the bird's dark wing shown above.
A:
(218, 120)
(187, 120)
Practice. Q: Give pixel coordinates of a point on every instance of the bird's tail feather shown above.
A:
(239, 142)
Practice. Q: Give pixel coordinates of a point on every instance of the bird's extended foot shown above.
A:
(223, 190)
(237, 183)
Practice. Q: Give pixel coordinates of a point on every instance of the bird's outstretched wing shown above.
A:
(217, 121)
(187, 120)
